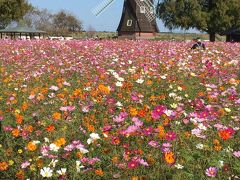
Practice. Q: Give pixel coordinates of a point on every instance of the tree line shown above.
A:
(210, 16)
(60, 23)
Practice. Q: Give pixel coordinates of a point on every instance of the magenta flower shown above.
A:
(133, 164)
(158, 111)
(170, 136)
(211, 171)
(148, 131)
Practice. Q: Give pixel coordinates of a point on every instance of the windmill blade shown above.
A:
(150, 12)
(101, 7)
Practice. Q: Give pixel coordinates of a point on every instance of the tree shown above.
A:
(65, 22)
(39, 19)
(211, 16)
(12, 10)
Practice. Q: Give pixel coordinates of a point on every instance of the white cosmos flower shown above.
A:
(199, 146)
(119, 104)
(79, 166)
(53, 147)
(172, 95)
(119, 84)
(83, 150)
(140, 81)
(179, 166)
(163, 77)
(94, 136)
(46, 172)
(168, 112)
(46, 139)
(36, 142)
(62, 171)
(202, 127)
(120, 79)
(89, 141)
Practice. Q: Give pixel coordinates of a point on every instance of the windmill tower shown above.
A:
(138, 20)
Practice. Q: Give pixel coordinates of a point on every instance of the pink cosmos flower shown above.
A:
(158, 111)
(54, 88)
(211, 171)
(170, 136)
(67, 108)
(25, 164)
(236, 154)
(131, 129)
(153, 144)
(137, 122)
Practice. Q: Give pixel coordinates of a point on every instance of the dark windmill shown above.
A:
(138, 19)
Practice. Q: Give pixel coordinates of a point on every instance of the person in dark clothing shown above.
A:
(198, 44)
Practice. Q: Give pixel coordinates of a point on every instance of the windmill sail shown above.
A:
(150, 12)
(102, 7)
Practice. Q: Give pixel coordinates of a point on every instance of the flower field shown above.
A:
(119, 110)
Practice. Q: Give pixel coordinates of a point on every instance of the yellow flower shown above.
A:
(10, 162)
(227, 109)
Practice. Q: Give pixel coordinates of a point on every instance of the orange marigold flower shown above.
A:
(134, 178)
(169, 157)
(28, 128)
(31, 146)
(3, 166)
(24, 106)
(103, 89)
(133, 111)
(20, 175)
(19, 119)
(15, 132)
(99, 172)
(56, 116)
(216, 142)
(59, 142)
(91, 128)
(50, 128)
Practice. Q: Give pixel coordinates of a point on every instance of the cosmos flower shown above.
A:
(46, 172)
(211, 171)
(158, 111)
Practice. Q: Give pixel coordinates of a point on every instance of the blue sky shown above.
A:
(107, 21)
